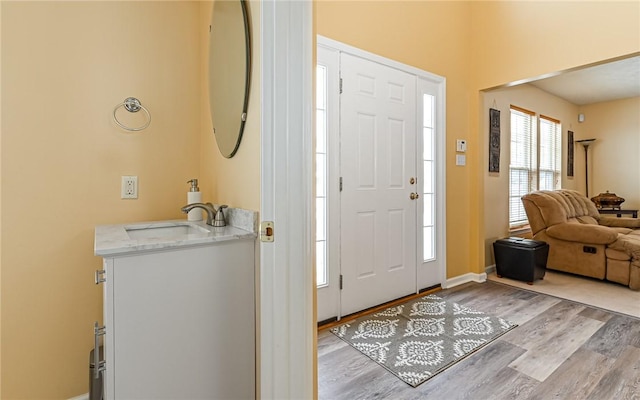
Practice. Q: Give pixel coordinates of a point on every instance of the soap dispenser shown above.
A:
(194, 196)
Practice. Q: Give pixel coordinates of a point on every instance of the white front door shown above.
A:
(377, 165)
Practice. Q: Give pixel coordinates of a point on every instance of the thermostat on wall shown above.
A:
(461, 145)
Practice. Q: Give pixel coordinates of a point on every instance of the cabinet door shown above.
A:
(184, 324)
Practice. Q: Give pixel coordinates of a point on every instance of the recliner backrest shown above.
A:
(546, 208)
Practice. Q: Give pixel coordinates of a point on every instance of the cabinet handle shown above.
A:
(99, 365)
(100, 276)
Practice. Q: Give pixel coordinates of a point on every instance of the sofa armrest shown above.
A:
(583, 233)
(633, 223)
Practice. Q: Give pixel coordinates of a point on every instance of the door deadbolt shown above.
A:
(414, 196)
(412, 181)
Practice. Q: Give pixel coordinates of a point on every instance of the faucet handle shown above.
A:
(219, 219)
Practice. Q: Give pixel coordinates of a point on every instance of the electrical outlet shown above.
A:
(129, 187)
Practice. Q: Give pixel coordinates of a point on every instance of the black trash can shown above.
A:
(96, 391)
(521, 259)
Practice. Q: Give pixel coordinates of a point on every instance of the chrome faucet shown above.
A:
(208, 207)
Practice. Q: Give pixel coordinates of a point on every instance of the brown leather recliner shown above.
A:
(583, 242)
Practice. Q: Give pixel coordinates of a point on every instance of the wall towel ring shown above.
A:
(132, 105)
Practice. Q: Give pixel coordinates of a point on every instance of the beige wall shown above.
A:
(496, 184)
(614, 162)
(414, 33)
(65, 66)
(515, 40)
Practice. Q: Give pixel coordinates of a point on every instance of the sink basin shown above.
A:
(159, 231)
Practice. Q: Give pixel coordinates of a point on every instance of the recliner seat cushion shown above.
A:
(614, 254)
(629, 244)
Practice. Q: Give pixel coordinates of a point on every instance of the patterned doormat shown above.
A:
(418, 339)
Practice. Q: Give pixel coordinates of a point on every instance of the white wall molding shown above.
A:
(461, 279)
(286, 289)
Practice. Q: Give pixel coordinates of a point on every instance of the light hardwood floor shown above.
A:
(560, 350)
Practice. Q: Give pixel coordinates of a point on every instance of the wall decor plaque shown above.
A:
(570, 153)
(494, 140)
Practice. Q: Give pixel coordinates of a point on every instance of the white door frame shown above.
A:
(438, 83)
(286, 319)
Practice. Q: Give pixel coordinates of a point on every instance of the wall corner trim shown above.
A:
(461, 279)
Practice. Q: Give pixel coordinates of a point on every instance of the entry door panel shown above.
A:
(377, 162)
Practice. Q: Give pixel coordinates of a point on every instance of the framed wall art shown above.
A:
(494, 140)
(570, 153)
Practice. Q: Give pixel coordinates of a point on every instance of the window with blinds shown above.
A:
(535, 159)
(550, 156)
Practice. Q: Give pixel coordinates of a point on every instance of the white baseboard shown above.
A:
(81, 397)
(490, 269)
(459, 280)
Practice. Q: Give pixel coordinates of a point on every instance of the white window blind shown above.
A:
(522, 164)
(550, 156)
(535, 162)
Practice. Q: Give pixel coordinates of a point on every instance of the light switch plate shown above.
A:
(461, 159)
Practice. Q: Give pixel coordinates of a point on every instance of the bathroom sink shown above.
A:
(165, 230)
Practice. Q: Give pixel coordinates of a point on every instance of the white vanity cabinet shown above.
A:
(180, 322)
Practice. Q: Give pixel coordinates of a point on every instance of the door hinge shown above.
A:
(340, 85)
(266, 231)
(341, 184)
(340, 281)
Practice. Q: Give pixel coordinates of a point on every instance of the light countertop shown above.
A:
(115, 240)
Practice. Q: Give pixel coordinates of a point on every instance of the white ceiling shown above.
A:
(605, 82)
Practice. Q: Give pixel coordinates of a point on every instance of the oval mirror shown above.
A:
(229, 72)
